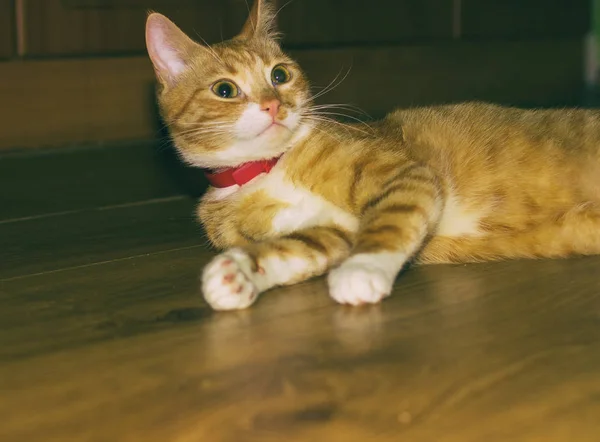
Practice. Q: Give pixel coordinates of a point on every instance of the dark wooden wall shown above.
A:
(88, 27)
(7, 31)
(78, 68)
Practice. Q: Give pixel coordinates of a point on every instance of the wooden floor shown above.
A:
(104, 337)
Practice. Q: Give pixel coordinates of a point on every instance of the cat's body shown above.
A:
(456, 183)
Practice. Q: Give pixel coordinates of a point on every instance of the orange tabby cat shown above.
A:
(295, 196)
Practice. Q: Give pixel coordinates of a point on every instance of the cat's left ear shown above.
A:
(170, 49)
(261, 22)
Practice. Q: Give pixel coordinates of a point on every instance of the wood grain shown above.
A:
(105, 337)
(127, 351)
(45, 182)
(313, 23)
(7, 29)
(55, 27)
(525, 18)
(79, 238)
(113, 98)
(59, 102)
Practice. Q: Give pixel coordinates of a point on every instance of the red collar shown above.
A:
(240, 175)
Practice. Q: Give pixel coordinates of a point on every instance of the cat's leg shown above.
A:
(577, 232)
(394, 224)
(235, 278)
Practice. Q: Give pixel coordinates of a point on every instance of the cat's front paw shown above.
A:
(227, 281)
(357, 282)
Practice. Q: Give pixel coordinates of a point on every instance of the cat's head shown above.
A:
(237, 101)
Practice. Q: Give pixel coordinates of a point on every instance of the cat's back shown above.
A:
(483, 126)
(506, 165)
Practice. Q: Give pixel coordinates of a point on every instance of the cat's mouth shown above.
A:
(275, 125)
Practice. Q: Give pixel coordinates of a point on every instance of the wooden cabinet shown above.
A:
(7, 29)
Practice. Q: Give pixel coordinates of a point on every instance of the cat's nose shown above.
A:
(271, 107)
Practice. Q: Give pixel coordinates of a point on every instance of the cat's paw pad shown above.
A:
(227, 281)
(359, 283)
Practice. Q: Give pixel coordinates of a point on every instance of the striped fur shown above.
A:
(457, 183)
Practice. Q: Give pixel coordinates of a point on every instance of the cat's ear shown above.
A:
(261, 22)
(169, 48)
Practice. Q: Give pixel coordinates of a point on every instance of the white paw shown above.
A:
(227, 281)
(359, 283)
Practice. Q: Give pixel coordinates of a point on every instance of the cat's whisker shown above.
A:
(325, 108)
(332, 85)
(203, 138)
(336, 108)
(316, 127)
(312, 97)
(329, 111)
(164, 144)
(205, 129)
(321, 117)
(350, 117)
(279, 10)
(203, 134)
(327, 133)
(249, 12)
(326, 114)
(347, 107)
(203, 124)
(211, 50)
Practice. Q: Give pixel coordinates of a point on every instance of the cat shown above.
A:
(295, 196)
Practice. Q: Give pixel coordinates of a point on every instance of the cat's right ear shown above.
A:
(260, 22)
(169, 48)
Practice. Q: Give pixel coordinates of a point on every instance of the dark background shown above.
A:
(74, 71)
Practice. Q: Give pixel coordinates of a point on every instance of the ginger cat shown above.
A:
(295, 195)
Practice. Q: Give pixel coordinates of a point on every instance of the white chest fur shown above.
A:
(305, 209)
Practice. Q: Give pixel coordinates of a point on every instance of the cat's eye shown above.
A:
(225, 89)
(280, 74)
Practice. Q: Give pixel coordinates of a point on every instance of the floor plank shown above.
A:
(127, 351)
(48, 243)
(41, 182)
(105, 337)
